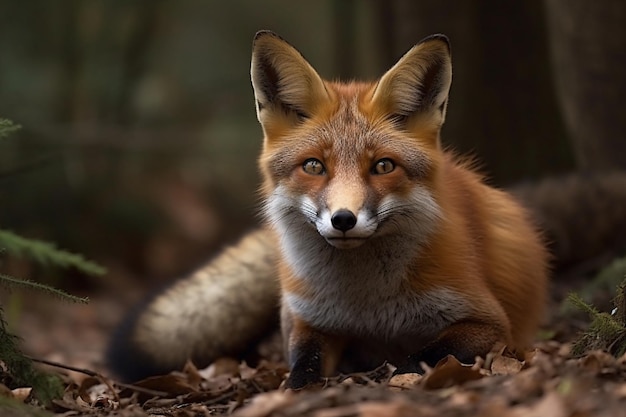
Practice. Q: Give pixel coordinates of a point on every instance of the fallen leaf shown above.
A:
(404, 381)
(269, 376)
(504, 365)
(5, 391)
(222, 366)
(551, 404)
(166, 386)
(193, 376)
(265, 404)
(597, 360)
(21, 394)
(449, 372)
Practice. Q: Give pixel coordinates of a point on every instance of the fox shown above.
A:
(379, 244)
(391, 249)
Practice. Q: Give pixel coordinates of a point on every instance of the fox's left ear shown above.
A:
(286, 87)
(419, 82)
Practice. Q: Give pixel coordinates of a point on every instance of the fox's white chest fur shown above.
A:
(364, 291)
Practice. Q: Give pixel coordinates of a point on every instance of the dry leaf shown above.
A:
(449, 372)
(503, 365)
(21, 394)
(193, 376)
(597, 360)
(551, 405)
(265, 404)
(222, 366)
(84, 387)
(404, 381)
(620, 391)
(269, 376)
(165, 386)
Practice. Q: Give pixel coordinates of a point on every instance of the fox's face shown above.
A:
(354, 160)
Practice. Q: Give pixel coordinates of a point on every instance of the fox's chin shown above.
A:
(346, 242)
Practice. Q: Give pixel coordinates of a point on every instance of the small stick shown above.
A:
(103, 379)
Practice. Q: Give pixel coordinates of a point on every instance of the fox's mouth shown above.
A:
(346, 242)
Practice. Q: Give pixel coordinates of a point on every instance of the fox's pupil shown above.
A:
(384, 166)
(313, 166)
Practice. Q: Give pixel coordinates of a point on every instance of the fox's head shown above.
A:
(356, 160)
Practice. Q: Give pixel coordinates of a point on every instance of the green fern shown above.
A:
(46, 253)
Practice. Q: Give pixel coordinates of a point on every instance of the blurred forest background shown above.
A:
(139, 136)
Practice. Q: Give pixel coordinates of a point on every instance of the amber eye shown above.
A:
(383, 166)
(313, 166)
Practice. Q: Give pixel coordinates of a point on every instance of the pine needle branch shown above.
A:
(606, 331)
(582, 305)
(46, 253)
(28, 284)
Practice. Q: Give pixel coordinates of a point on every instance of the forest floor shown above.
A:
(550, 381)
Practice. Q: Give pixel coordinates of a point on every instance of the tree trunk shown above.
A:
(588, 44)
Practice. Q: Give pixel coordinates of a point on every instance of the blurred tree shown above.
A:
(345, 32)
(135, 107)
(104, 51)
(588, 45)
(502, 104)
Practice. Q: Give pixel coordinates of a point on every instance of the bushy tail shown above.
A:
(222, 309)
(583, 215)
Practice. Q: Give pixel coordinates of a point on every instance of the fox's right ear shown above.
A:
(285, 85)
(418, 84)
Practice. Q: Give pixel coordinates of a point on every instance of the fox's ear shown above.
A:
(285, 84)
(418, 84)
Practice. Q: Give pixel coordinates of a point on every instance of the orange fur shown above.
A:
(390, 248)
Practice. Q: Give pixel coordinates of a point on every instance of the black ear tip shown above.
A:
(265, 33)
(440, 37)
(262, 33)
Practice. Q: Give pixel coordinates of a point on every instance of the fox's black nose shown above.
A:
(343, 220)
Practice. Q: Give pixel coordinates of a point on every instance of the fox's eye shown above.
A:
(383, 166)
(313, 166)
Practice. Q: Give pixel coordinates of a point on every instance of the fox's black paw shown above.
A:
(300, 379)
(412, 366)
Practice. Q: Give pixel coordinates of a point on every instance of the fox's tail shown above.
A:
(583, 215)
(226, 306)
(221, 309)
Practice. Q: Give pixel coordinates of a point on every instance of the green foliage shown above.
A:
(606, 331)
(7, 127)
(46, 253)
(603, 283)
(611, 275)
(32, 285)
(20, 368)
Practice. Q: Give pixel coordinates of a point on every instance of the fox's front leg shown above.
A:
(312, 354)
(464, 340)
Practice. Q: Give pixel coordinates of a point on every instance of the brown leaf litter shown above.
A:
(549, 382)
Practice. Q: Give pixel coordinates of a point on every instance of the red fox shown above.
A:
(385, 247)
(390, 249)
